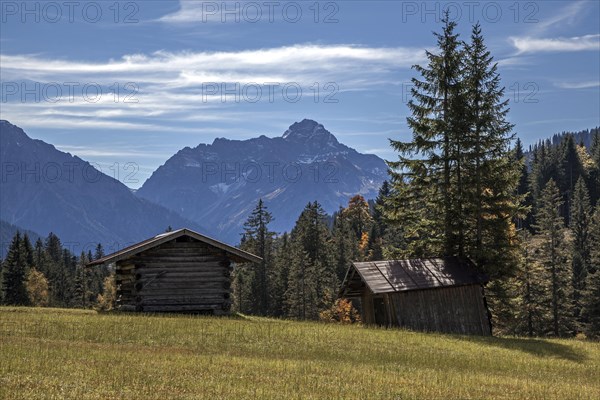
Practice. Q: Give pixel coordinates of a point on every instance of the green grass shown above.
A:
(76, 354)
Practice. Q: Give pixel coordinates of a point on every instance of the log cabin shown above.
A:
(178, 271)
(435, 294)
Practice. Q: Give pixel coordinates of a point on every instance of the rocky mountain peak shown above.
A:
(311, 132)
(11, 133)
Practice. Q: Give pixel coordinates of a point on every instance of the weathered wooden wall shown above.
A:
(177, 276)
(459, 309)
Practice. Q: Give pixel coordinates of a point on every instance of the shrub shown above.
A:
(106, 300)
(37, 288)
(342, 311)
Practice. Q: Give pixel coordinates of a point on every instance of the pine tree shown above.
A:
(358, 216)
(594, 185)
(243, 290)
(99, 252)
(279, 276)
(53, 247)
(581, 214)
(81, 283)
(591, 295)
(14, 272)
(259, 240)
(570, 172)
(553, 255)
(345, 243)
(378, 237)
(379, 207)
(312, 274)
(491, 175)
(544, 167)
(301, 296)
(28, 249)
(523, 187)
(428, 165)
(531, 283)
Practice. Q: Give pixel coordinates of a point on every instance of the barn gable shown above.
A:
(235, 254)
(434, 294)
(179, 271)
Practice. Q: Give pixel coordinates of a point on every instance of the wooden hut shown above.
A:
(435, 294)
(178, 271)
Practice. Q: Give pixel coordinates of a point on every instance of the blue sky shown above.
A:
(190, 71)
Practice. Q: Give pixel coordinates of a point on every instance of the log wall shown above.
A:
(177, 276)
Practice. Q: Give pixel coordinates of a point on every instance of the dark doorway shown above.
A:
(380, 311)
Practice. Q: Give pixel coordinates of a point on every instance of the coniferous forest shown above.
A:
(462, 185)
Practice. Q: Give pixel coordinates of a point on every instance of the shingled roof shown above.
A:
(236, 254)
(404, 275)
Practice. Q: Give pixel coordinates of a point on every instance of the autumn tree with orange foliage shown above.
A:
(342, 311)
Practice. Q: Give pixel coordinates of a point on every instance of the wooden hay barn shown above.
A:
(435, 294)
(179, 271)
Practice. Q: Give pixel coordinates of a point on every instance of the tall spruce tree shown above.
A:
(14, 273)
(81, 292)
(259, 240)
(491, 175)
(428, 164)
(571, 170)
(523, 222)
(531, 287)
(580, 220)
(378, 235)
(594, 185)
(99, 252)
(315, 274)
(345, 243)
(553, 255)
(591, 295)
(358, 216)
(302, 297)
(279, 276)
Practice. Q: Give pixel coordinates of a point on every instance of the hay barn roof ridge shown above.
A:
(415, 274)
(157, 240)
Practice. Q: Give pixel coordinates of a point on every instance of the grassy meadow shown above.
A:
(78, 354)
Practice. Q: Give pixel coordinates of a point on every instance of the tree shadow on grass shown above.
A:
(536, 347)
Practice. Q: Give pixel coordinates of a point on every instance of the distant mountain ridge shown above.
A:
(46, 190)
(8, 231)
(217, 185)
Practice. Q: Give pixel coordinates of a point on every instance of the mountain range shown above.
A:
(218, 185)
(209, 188)
(46, 190)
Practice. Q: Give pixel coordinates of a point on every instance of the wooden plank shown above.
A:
(179, 301)
(191, 281)
(176, 259)
(178, 308)
(153, 291)
(190, 265)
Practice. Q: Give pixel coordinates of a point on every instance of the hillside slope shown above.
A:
(46, 190)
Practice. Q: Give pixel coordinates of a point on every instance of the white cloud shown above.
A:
(567, 15)
(193, 11)
(231, 11)
(174, 86)
(292, 59)
(536, 40)
(87, 151)
(578, 85)
(537, 45)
